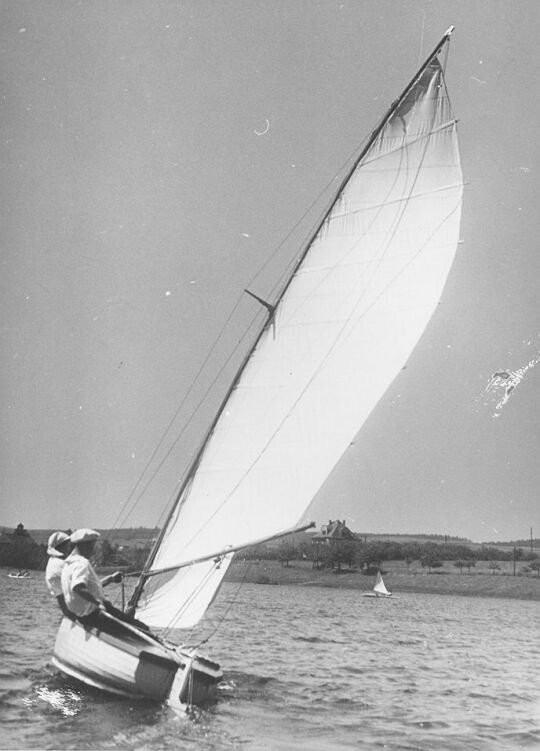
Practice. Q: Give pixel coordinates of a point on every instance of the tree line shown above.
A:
(367, 555)
(364, 554)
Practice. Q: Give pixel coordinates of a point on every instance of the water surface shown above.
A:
(304, 668)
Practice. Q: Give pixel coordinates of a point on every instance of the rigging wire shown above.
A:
(124, 513)
(285, 274)
(229, 607)
(185, 604)
(172, 420)
(186, 425)
(393, 230)
(420, 54)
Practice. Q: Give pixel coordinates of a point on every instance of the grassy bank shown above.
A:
(480, 582)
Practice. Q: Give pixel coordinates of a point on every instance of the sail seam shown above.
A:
(349, 251)
(392, 234)
(410, 197)
(405, 148)
(376, 157)
(406, 266)
(403, 164)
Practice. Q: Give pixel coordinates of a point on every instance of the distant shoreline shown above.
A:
(474, 584)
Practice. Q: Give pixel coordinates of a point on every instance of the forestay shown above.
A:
(345, 326)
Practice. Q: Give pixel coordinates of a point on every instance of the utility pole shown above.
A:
(514, 560)
(531, 542)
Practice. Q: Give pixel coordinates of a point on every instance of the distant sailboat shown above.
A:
(379, 588)
(336, 336)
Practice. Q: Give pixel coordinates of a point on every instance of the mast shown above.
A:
(182, 494)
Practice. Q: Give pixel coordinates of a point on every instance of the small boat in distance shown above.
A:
(334, 337)
(379, 588)
(20, 575)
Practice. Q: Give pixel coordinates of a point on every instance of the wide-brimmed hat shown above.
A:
(84, 535)
(56, 539)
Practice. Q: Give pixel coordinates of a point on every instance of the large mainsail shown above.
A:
(345, 325)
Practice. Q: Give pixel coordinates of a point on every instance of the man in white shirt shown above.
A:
(82, 589)
(58, 547)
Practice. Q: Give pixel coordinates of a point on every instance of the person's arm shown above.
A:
(116, 578)
(83, 591)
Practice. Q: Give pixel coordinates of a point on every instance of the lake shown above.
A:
(304, 668)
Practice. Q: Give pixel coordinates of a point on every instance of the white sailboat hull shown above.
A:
(133, 664)
(379, 588)
(377, 594)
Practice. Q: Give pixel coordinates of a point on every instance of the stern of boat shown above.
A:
(201, 675)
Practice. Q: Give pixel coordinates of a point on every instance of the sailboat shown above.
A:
(379, 588)
(334, 338)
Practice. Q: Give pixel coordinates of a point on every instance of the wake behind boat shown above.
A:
(335, 337)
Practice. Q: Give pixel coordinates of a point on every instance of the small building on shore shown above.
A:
(335, 530)
(335, 544)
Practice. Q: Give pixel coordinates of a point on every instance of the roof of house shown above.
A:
(335, 530)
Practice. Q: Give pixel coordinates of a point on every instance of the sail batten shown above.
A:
(403, 199)
(344, 325)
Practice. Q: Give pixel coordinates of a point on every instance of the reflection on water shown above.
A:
(64, 700)
(303, 668)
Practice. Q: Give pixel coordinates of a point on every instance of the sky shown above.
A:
(160, 157)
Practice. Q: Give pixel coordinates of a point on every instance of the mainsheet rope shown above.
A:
(226, 613)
